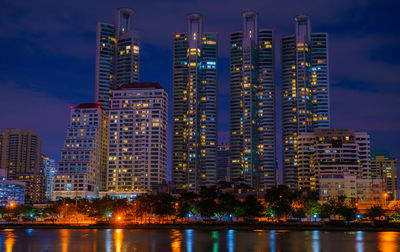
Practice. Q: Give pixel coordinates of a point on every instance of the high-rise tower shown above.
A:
(137, 149)
(253, 104)
(81, 170)
(117, 55)
(194, 106)
(305, 90)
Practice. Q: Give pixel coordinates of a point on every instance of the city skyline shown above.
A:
(223, 86)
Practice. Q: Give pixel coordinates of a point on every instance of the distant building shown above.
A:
(20, 157)
(384, 166)
(82, 168)
(11, 191)
(252, 80)
(223, 162)
(49, 170)
(194, 138)
(305, 90)
(117, 55)
(137, 149)
(331, 152)
(353, 187)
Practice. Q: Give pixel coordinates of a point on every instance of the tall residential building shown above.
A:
(253, 104)
(329, 152)
(81, 170)
(305, 90)
(223, 162)
(49, 170)
(384, 166)
(20, 157)
(20, 152)
(117, 55)
(137, 150)
(194, 136)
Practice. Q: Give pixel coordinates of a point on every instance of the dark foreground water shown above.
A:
(194, 240)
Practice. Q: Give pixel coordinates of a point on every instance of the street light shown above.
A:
(385, 195)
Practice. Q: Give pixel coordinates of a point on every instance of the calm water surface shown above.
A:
(194, 240)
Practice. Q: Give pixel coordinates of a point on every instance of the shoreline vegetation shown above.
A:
(343, 227)
(280, 208)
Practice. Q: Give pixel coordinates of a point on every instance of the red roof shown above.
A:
(140, 85)
(88, 105)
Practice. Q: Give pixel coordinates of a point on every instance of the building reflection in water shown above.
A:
(10, 240)
(118, 237)
(230, 238)
(315, 240)
(388, 241)
(359, 241)
(189, 240)
(176, 243)
(64, 234)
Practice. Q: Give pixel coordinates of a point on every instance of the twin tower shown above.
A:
(305, 95)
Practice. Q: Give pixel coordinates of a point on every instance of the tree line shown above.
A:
(279, 204)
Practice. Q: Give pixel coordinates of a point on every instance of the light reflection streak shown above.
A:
(118, 237)
(214, 235)
(108, 240)
(315, 238)
(388, 241)
(10, 240)
(231, 240)
(272, 240)
(64, 239)
(359, 241)
(189, 240)
(176, 244)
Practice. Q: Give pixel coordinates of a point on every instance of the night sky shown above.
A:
(48, 56)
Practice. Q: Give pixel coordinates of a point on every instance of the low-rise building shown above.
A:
(11, 192)
(384, 166)
(353, 187)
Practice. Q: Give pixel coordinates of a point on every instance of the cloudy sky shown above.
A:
(48, 56)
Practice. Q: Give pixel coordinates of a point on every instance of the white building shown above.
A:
(331, 152)
(137, 150)
(81, 171)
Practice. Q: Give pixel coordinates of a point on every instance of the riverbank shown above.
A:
(370, 227)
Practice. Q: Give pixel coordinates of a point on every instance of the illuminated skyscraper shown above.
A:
(305, 90)
(81, 170)
(137, 158)
(194, 106)
(117, 55)
(253, 104)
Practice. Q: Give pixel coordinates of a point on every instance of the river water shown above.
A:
(120, 240)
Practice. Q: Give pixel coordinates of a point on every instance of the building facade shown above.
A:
(383, 166)
(223, 162)
(117, 55)
(49, 170)
(194, 139)
(137, 150)
(331, 152)
(305, 90)
(20, 152)
(353, 187)
(81, 170)
(252, 77)
(11, 192)
(20, 157)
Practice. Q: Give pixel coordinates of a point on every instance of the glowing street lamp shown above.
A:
(385, 195)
